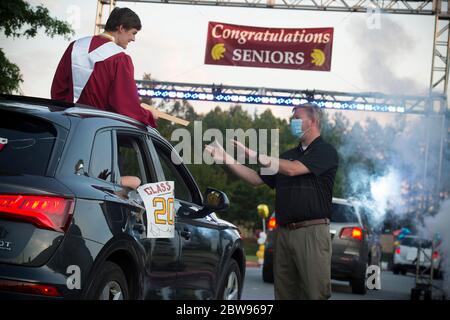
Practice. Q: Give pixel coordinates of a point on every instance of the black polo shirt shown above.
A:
(307, 196)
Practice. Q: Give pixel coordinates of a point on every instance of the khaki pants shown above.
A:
(302, 263)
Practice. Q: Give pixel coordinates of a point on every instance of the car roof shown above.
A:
(46, 107)
(342, 201)
(416, 238)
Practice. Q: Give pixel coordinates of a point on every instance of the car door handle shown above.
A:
(186, 234)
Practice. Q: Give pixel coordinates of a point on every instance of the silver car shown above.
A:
(407, 253)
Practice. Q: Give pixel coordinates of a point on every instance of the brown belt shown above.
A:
(304, 224)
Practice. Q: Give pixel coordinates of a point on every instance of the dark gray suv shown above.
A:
(355, 245)
(66, 215)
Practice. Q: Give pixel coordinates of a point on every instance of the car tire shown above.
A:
(109, 284)
(231, 287)
(403, 272)
(267, 273)
(395, 269)
(358, 283)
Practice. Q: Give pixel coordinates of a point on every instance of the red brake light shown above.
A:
(357, 233)
(352, 233)
(30, 288)
(397, 250)
(272, 224)
(45, 212)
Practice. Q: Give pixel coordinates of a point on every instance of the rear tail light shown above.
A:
(272, 224)
(435, 255)
(29, 288)
(352, 233)
(52, 213)
(397, 250)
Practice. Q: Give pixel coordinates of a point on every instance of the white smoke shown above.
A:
(394, 172)
(394, 165)
(382, 49)
(378, 193)
(386, 193)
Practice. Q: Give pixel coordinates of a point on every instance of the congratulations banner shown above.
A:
(234, 45)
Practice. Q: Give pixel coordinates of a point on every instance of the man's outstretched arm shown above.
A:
(246, 174)
(286, 167)
(220, 156)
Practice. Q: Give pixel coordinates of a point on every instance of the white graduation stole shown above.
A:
(83, 61)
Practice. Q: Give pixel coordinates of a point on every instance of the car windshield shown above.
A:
(342, 213)
(416, 242)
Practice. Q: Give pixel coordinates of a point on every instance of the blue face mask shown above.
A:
(296, 128)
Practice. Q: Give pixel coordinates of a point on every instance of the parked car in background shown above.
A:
(355, 244)
(65, 215)
(407, 253)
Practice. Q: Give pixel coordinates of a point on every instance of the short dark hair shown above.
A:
(123, 17)
(313, 110)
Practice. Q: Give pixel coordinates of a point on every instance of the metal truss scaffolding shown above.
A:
(435, 103)
(289, 97)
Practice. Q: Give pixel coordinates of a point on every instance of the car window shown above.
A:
(171, 173)
(341, 213)
(130, 157)
(29, 144)
(416, 242)
(101, 157)
(365, 217)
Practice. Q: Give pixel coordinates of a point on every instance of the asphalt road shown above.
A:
(393, 287)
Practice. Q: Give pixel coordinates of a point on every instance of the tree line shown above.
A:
(245, 198)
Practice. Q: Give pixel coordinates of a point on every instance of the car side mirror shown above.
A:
(215, 200)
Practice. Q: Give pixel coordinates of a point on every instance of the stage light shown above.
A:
(264, 99)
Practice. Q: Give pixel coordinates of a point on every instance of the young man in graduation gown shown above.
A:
(96, 71)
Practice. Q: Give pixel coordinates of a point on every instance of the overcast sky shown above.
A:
(395, 58)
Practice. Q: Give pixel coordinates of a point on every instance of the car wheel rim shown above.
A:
(232, 287)
(111, 291)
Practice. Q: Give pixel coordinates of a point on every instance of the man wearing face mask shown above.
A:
(304, 185)
(97, 72)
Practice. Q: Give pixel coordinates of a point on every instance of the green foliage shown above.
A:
(17, 19)
(10, 77)
(359, 148)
